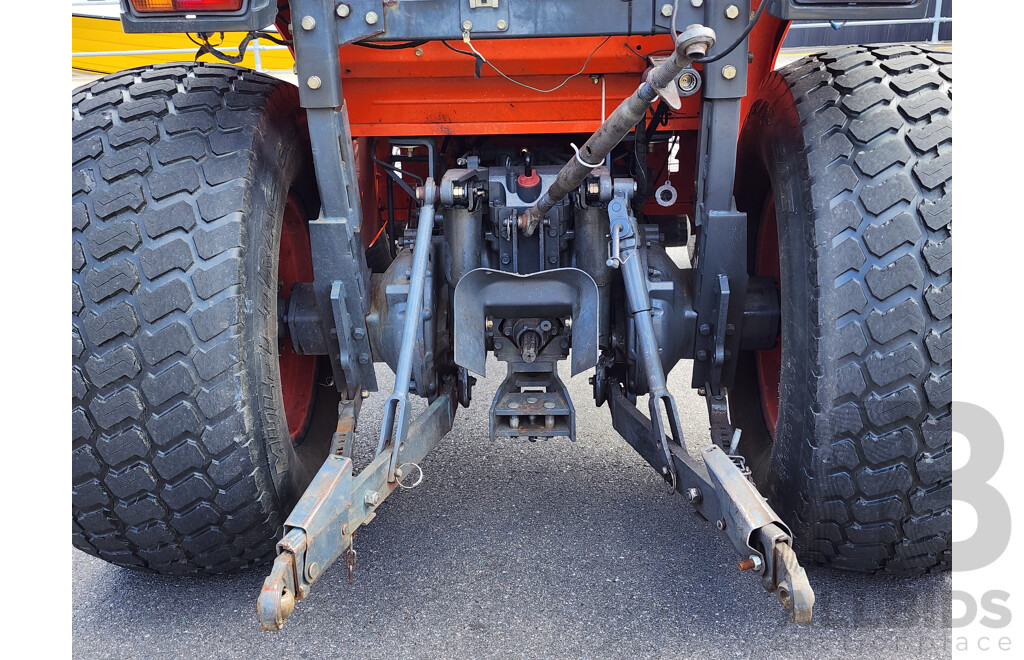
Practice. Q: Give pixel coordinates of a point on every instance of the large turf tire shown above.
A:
(181, 452)
(853, 149)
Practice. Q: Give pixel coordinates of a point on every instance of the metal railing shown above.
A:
(936, 20)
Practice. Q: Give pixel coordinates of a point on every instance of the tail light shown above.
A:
(189, 6)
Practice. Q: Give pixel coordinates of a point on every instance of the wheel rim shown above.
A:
(769, 362)
(298, 372)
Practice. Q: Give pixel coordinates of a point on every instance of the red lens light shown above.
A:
(184, 6)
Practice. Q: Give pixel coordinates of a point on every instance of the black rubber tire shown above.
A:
(181, 456)
(855, 144)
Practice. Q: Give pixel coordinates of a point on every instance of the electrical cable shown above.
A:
(398, 46)
(391, 170)
(484, 60)
(205, 47)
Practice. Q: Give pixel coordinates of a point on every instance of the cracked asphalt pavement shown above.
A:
(514, 549)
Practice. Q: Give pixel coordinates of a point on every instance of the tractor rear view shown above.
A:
(456, 182)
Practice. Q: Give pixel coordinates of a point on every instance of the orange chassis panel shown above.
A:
(431, 90)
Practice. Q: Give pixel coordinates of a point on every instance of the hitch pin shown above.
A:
(615, 249)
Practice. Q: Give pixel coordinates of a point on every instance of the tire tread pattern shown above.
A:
(168, 475)
(874, 490)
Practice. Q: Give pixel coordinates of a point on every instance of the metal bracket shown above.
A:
(721, 492)
(532, 401)
(341, 279)
(484, 16)
(356, 364)
(718, 416)
(335, 505)
(562, 291)
(719, 292)
(344, 437)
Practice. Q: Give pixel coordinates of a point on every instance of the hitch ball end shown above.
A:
(695, 41)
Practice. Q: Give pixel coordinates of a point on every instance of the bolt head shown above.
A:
(467, 25)
(693, 495)
(308, 23)
(314, 570)
(502, 24)
(343, 10)
(372, 499)
(372, 18)
(666, 10)
(696, 3)
(314, 82)
(418, 52)
(732, 11)
(364, 358)
(728, 72)
(720, 524)
(365, 394)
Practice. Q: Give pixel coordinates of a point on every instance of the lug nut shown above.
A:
(308, 23)
(372, 18)
(751, 562)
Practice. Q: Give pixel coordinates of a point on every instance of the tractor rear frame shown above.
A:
(501, 255)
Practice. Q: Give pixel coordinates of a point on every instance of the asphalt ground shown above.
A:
(515, 549)
(519, 550)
